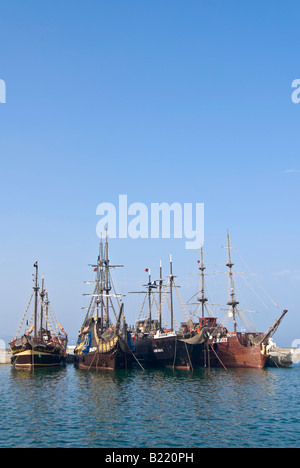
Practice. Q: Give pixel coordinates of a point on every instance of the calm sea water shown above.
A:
(68, 407)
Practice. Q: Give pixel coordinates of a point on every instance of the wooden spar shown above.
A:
(101, 283)
(202, 268)
(271, 330)
(233, 303)
(107, 285)
(160, 291)
(147, 292)
(119, 318)
(101, 297)
(171, 292)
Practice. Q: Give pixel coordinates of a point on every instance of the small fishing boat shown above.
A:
(103, 344)
(44, 343)
(279, 357)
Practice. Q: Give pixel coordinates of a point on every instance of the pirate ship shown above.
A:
(248, 349)
(146, 328)
(176, 348)
(102, 342)
(44, 341)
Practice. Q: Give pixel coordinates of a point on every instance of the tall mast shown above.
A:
(104, 285)
(148, 292)
(171, 292)
(202, 269)
(47, 302)
(101, 282)
(160, 291)
(42, 304)
(149, 300)
(107, 282)
(36, 290)
(232, 302)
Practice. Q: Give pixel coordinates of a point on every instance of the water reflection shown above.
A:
(69, 407)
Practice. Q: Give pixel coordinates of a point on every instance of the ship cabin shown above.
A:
(143, 326)
(210, 322)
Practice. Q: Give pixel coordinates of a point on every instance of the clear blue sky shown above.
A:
(162, 101)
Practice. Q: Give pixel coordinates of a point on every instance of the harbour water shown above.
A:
(68, 407)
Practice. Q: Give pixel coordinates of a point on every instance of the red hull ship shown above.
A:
(235, 349)
(232, 349)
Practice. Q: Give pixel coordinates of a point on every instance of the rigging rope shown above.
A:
(186, 315)
(24, 315)
(140, 313)
(259, 284)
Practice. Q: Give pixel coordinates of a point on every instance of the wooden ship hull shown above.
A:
(157, 346)
(111, 355)
(143, 350)
(101, 344)
(105, 361)
(175, 351)
(103, 349)
(233, 350)
(27, 353)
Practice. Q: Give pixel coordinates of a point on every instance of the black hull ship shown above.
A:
(170, 348)
(39, 346)
(37, 352)
(177, 350)
(101, 344)
(142, 343)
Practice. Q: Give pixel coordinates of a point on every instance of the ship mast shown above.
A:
(149, 300)
(202, 269)
(42, 305)
(103, 287)
(36, 290)
(100, 298)
(47, 302)
(233, 303)
(149, 291)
